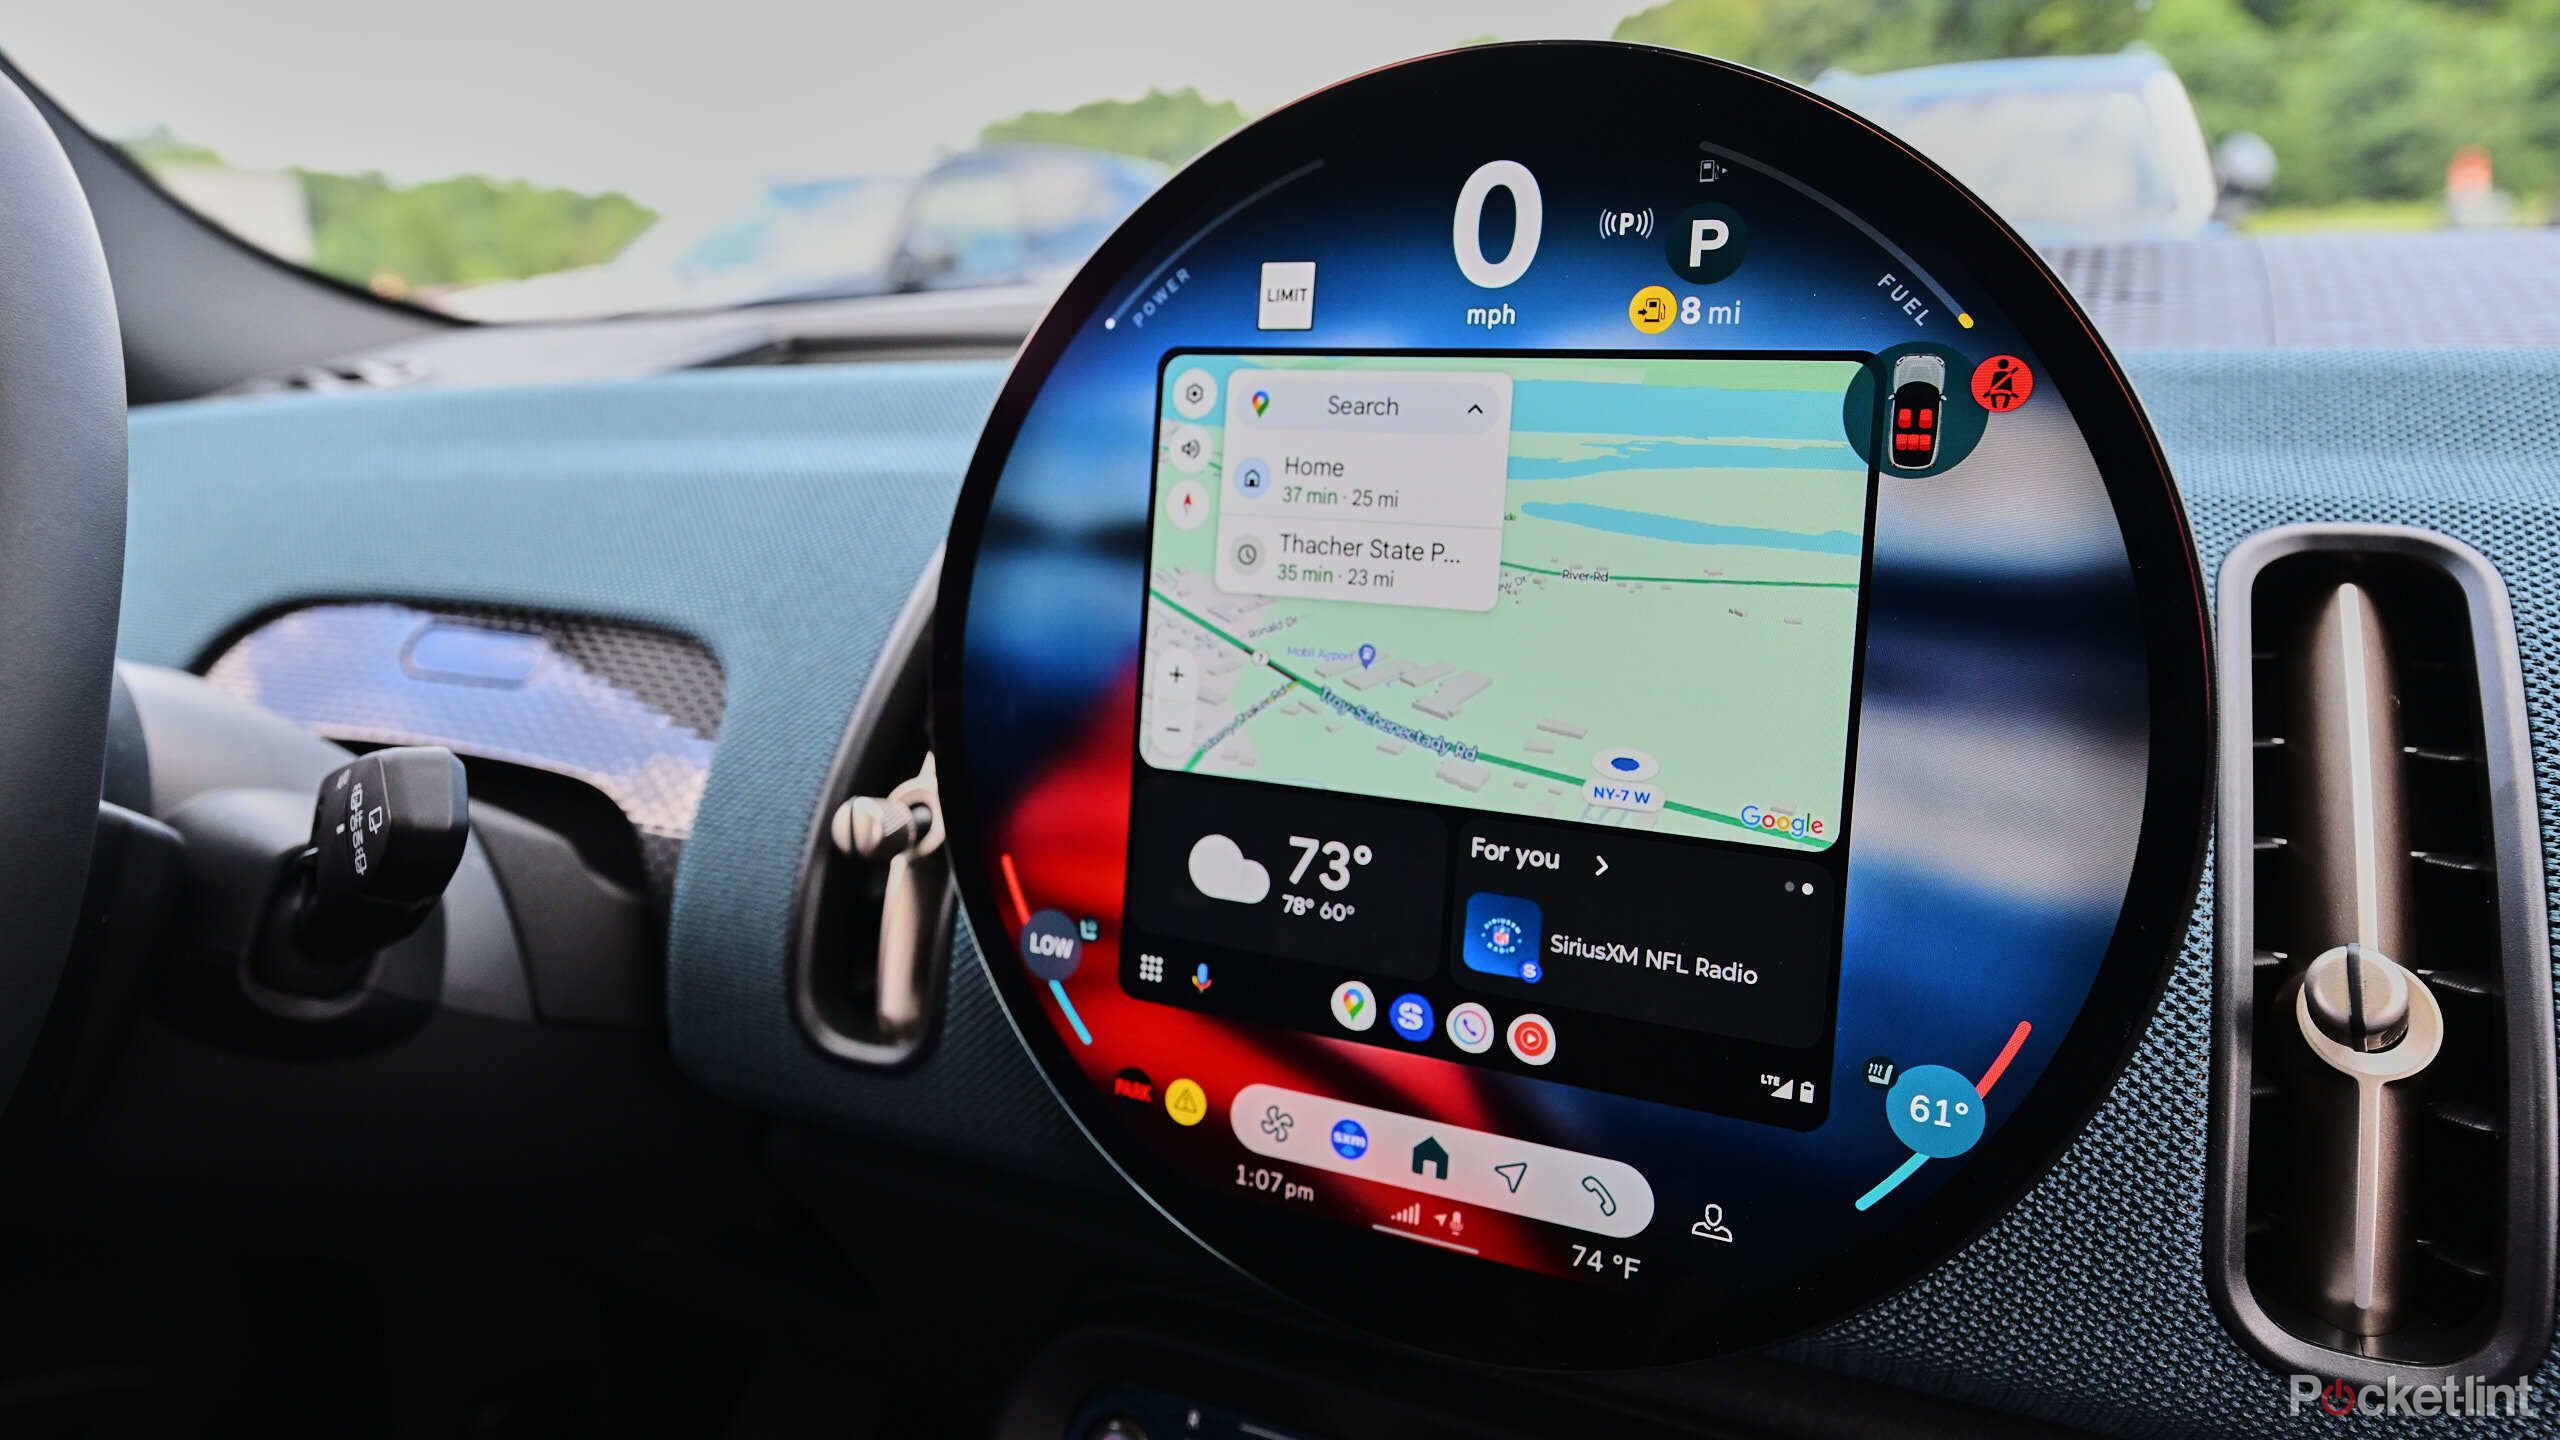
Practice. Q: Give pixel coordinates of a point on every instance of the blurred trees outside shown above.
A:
(400, 239)
(1164, 125)
(462, 231)
(2363, 100)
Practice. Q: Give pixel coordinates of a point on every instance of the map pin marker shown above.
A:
(1368, 656)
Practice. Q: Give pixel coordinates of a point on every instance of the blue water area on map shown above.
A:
(1692, 532)
(1576, 407)
(1607, 456)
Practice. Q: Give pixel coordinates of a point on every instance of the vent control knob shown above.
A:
(2358, 997)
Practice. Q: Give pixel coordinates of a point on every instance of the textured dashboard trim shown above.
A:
(631, 712)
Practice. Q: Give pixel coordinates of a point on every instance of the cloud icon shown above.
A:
(1221, 872)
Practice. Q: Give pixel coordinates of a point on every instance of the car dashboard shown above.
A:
(786, 518)
(794, 805)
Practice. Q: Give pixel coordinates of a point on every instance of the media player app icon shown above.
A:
(1505, 936)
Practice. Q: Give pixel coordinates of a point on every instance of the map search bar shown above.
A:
(1374, 487)
(1367, 402)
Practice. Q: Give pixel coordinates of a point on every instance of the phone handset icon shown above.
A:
(1608, 1202)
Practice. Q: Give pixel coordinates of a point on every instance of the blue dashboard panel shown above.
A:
(782, 517)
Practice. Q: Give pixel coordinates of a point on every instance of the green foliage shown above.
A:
(159, 146)
(466, 230)
(469, 229)
(1166, 125)
(2362, 99)
(1802, 38)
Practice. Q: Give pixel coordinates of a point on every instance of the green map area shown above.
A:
(1673, 644)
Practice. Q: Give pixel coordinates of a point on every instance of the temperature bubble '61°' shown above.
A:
(1935, 1111)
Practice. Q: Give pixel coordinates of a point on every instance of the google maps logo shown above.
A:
(1261, 402)
(1802, 827)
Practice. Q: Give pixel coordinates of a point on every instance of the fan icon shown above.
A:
(1276, 1122)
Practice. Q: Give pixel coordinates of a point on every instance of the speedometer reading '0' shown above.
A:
(1514, 701)
(1528, 221)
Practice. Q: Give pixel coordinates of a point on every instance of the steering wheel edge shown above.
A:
(62, 505)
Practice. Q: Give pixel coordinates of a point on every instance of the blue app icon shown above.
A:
(1412, 1017)
(1505, 935)
(1349, 1140)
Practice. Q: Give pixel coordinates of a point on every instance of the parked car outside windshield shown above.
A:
(2066, 148)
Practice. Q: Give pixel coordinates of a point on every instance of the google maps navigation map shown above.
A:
(1396, 575)
(1584, 631)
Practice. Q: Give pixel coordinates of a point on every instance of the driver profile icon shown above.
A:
(1711, 1226)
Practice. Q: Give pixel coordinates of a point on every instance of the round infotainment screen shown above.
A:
(1573, 702)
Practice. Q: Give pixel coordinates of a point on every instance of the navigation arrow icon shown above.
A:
(1513, 1173)
(1604, 866)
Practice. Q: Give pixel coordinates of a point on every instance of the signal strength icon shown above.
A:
(1409, 1215)
(1614, 223)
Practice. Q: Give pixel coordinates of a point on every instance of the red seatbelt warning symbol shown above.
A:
(2002, 383)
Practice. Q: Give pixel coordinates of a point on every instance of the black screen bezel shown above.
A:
(1455, 1305)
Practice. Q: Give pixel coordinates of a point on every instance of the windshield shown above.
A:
(2105, 148)
(507, 161)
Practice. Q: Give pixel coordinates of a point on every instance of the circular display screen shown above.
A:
(1572, 700)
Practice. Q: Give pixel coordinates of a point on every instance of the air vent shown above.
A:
(872, 942)
(2383, 1153)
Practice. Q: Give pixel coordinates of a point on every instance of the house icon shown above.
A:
(1431, 1153)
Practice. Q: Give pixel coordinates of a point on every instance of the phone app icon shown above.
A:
(1411, 1016)
(1505, 935)
(1471, 1028)
(1532, 1039)
(1355, 1005)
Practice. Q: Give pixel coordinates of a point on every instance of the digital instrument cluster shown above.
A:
(1572, 700)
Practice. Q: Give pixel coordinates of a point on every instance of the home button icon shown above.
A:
(1432, 1153)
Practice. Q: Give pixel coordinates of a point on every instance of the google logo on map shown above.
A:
(1800, 826)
